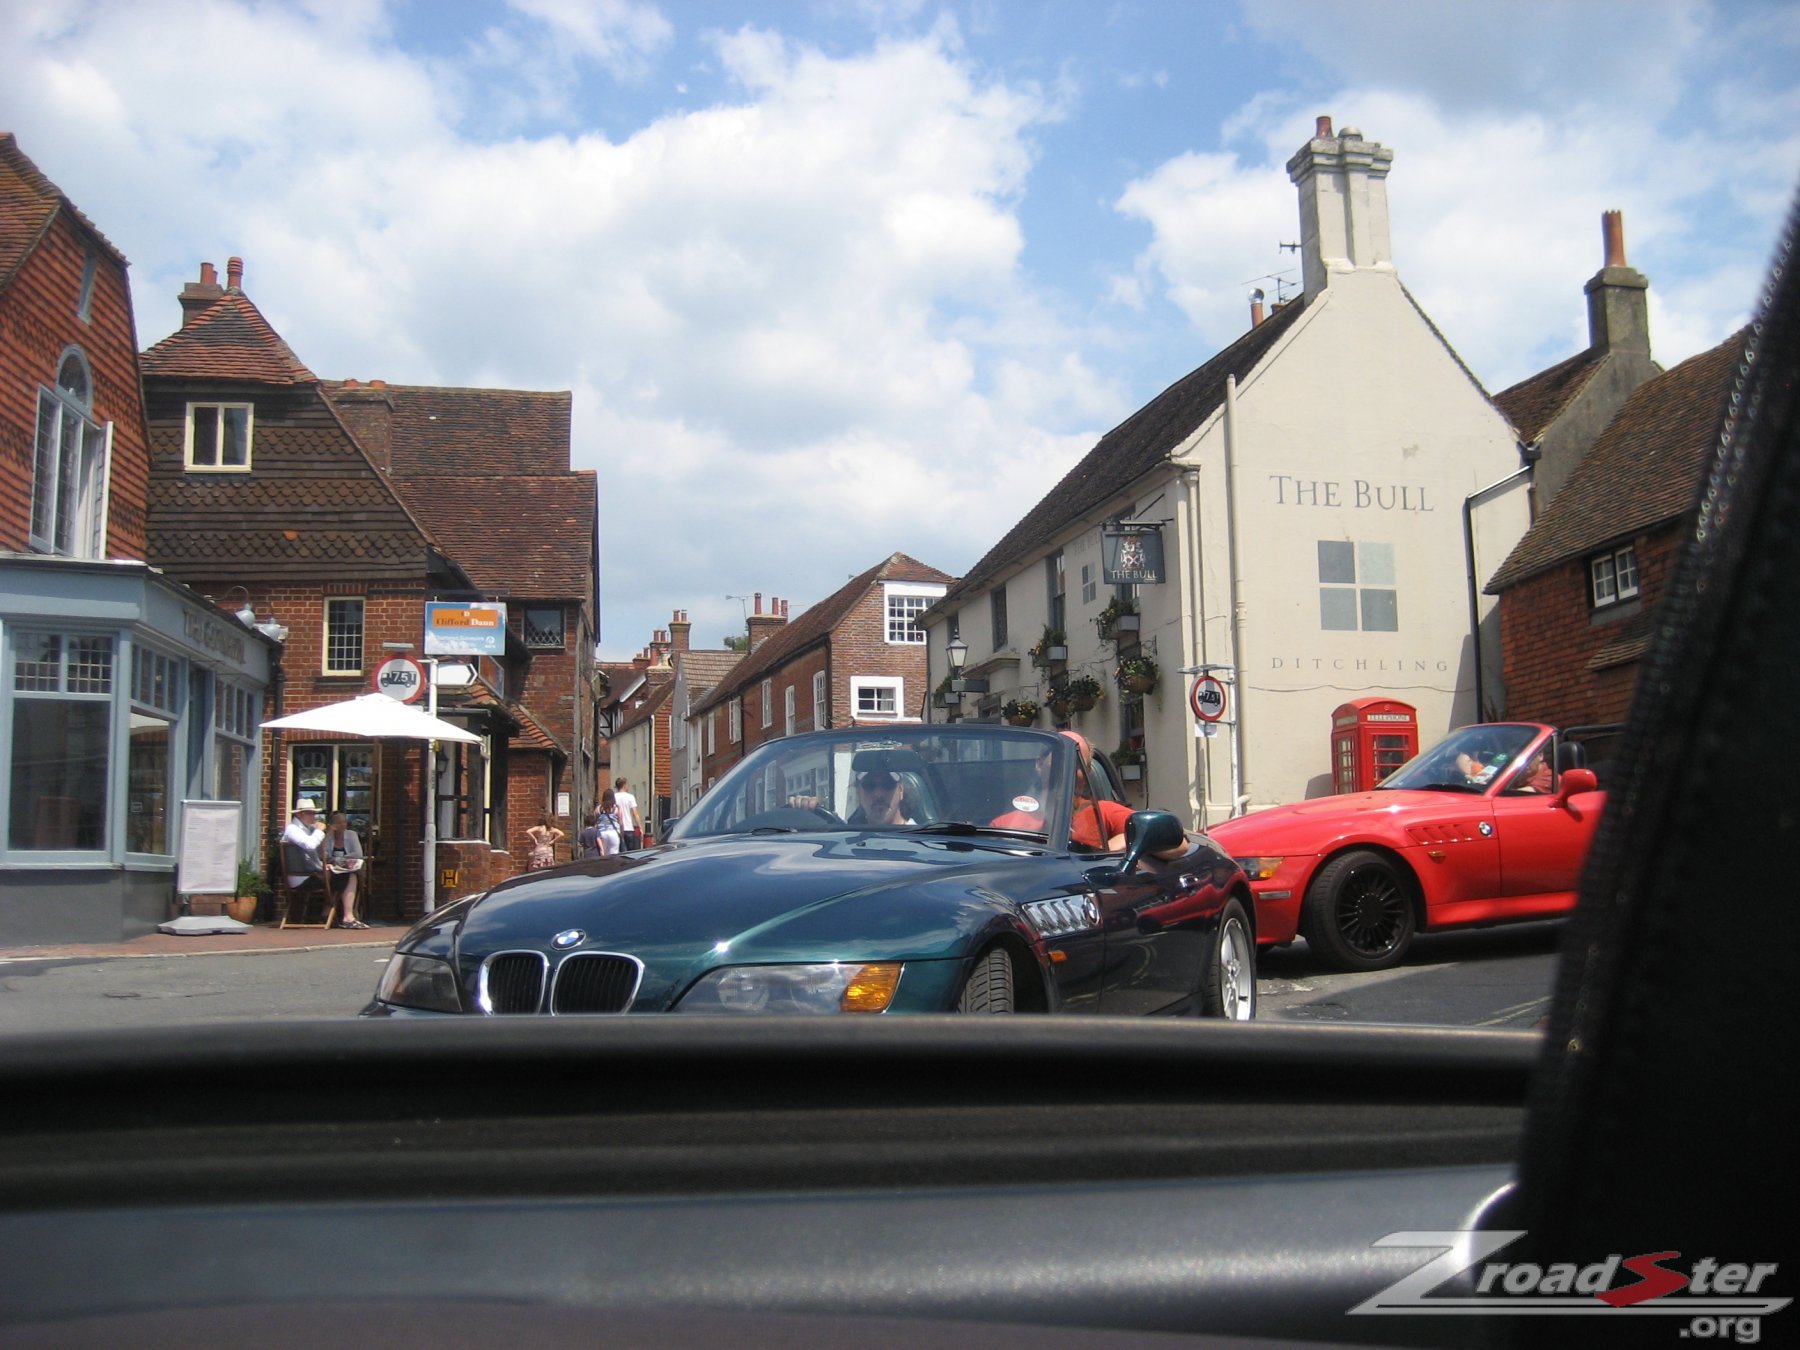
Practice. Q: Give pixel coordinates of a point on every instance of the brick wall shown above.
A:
(1548, 635)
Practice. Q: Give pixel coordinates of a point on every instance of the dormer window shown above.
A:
(218, 437)
(1613, 577)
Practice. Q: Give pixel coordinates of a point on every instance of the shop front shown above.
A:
(122, 693)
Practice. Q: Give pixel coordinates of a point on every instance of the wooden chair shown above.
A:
(297, 902)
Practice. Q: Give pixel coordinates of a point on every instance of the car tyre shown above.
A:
(989, 988)
(1228, 984)
(1359, 912)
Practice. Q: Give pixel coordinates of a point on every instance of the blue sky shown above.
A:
(830, 280)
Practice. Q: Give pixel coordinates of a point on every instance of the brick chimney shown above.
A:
(679, 627)
(368, 410)
(234, 274)
(198, 296)
(762, 625)
(1618, 296)
(1342, 180)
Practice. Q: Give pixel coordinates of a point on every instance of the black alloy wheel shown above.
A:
(1359, 912)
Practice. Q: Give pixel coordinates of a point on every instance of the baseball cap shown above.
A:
(876, 778)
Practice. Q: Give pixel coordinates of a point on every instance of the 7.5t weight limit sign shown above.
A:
(1207, 698)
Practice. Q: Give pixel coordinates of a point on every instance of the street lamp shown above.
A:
(958, 653)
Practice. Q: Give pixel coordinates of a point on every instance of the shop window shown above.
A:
(339, 777)
(60, 753)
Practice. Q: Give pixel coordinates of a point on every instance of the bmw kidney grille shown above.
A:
(583, 982)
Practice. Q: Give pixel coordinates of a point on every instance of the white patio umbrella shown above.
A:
(376, 716)
(379, 717)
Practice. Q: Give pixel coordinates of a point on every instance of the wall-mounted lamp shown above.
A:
(246, 615)
(958, 653)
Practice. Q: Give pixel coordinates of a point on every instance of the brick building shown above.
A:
(339, 510)
(1578, 595)
(856, 657)
(487, 472)
(122, 693)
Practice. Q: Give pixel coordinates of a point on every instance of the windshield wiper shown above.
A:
(967, 827)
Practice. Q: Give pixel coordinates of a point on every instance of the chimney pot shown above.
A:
(1322, 129)
(1612, 233)
(758, 609)
(209, 275)
(234, 273)
(1256, 308)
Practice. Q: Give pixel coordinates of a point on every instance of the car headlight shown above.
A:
(419, 982)
(1260, 869)
(841, 986)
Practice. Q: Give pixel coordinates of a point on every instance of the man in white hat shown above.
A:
(304, 834)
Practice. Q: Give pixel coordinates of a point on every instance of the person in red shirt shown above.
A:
(1091, 816)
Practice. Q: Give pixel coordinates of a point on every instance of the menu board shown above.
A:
(208, 861)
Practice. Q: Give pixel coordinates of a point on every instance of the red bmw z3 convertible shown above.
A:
(1491, 825)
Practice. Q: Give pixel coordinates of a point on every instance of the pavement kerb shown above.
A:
(168, 946)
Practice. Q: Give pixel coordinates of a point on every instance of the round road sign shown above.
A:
(400, 678)
(1208, 698)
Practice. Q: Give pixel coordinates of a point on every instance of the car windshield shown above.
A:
(898, 778)
(1474, 759)
(463, 452)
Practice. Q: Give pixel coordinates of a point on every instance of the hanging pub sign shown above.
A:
(1131, 555)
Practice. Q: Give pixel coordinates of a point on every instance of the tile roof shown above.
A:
(1534, 403)
(1643, 471)
(228, 340)
(815, 624)
(1130, 450)
(28, 203)
(704, 668)
(531, 538)
(527, 733)
(493, 432)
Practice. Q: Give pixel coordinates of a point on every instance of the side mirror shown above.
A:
(1152, 832)
(1573, 781)
(663, 827)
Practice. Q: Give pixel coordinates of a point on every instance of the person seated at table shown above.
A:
(343, 855)
(300, 848)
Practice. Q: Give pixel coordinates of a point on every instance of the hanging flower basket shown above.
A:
(1084, 692)
(1021, 712)
(1137, 674)
(1120, 616)
(1051, 649)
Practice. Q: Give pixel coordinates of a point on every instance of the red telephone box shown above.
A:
(1370, 738)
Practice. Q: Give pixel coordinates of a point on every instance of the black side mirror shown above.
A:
(1151, 832)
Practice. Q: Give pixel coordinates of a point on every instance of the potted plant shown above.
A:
(947, 697)
(1119, 616)
(1137, 674)
(1084, 692)
(251, 888)
(1051, 648)
(1130, 760)
(1021, 712)
(1060, 706)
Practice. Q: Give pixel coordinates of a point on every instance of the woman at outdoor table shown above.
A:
(342, 852)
